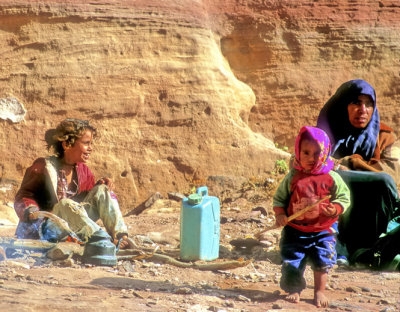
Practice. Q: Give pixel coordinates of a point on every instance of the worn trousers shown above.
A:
(298, 248)
(99, 204)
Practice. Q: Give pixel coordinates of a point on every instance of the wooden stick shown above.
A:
(28, 244)
(295, 215)
(304, 210)
(60, 222)
(56, 219)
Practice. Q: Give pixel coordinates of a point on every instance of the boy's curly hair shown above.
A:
(69, 130)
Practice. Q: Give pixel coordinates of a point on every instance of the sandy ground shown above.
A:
(36, 283)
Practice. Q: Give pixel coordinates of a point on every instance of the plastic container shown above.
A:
(99, 250)
(200, 221)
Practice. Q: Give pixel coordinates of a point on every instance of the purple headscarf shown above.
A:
(324, 163)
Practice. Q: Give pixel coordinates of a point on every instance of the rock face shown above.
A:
(295, 54)
(184, 91)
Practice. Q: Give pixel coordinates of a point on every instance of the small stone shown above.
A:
(128, 266)
(216, 309)
(390, 276)
(388, 309)
(154, 272)
(377, 295)
(67, 263)
(229, 304)
(386, 301)
(183, 291)
(176, 196)
(351, 289)
(14, 264)
(243, 298)
(277, 306)
(259, 211)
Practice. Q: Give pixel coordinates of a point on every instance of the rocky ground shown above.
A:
(36, 283)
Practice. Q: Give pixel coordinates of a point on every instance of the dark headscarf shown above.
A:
(347, 140)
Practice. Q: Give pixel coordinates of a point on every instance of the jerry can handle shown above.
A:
(202, 190)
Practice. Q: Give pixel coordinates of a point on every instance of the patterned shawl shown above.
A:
(324, 163)
(334, 119)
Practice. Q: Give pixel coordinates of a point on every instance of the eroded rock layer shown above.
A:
(184, 90)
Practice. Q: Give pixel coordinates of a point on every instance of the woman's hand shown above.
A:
(106, 181)
(342, 167)
(329, 210)
(281, 219)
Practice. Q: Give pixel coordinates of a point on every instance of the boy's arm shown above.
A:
(25, 199)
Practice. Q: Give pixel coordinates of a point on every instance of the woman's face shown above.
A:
(360, 113)
(81, 150)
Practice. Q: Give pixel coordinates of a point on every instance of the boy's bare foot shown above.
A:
(320, 300)
(293, 297)
(125, 243)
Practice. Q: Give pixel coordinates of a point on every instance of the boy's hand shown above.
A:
(329, 210)
(33, 216)
(107, 181)
(281, 219)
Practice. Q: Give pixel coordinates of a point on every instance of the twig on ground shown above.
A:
(230, 264)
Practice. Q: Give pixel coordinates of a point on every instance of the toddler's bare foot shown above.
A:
(320, 300)
(293, 297)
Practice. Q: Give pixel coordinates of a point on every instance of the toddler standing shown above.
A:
(311, 236)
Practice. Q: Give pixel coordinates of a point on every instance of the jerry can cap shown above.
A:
(195, 199)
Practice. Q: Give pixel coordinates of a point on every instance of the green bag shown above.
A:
(385, 254)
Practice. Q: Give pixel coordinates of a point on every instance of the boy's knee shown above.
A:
(64, 203)
(68, 205)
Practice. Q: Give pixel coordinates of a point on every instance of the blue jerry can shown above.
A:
(200, 226)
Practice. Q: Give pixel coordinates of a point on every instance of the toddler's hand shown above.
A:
(281, 219)
(329, 210)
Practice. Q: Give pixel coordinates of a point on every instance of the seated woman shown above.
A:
(361, 146)
(64, 185)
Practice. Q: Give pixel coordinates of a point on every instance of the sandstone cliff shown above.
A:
(184, 90)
